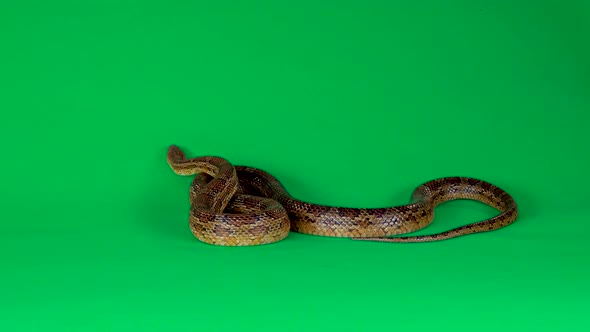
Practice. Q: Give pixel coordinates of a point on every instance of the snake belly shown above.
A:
(242, 206)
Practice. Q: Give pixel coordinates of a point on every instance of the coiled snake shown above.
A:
(240, 206)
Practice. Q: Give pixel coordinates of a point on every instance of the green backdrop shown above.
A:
(350, 103)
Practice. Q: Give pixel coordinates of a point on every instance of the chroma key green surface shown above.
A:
(348, 103)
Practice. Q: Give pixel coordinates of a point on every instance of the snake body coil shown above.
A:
(239, 206)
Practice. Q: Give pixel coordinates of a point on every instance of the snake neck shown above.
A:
(212, 192)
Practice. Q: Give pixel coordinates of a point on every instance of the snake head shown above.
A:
(177, 160)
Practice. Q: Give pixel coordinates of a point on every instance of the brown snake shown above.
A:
(241, 206)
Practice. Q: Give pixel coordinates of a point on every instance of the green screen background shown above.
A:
(349, 103)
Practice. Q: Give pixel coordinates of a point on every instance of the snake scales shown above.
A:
(240, 206)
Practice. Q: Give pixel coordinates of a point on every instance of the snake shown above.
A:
(246, 206)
